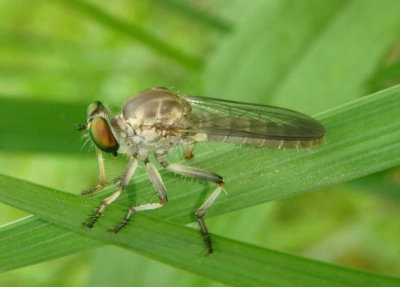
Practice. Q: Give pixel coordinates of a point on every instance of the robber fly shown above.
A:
(157, 120)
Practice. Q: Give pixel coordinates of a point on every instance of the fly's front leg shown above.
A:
(130, 170)
(158, 184)
(101, 173)
(198, 174)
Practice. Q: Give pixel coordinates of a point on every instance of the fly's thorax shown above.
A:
(142, 140)
(121, 128)
(155, 106)
(153, 140)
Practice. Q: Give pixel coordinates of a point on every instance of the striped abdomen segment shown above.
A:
(263, 142)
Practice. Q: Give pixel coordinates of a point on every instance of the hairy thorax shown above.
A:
(148, 123)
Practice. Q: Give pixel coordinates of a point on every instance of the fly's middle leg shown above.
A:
(198, 174)
(158, 184)
(130, 170)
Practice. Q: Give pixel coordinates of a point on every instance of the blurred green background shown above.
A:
(58, 56)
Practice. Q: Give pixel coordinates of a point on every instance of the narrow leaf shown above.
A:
(40, 126)
(118, 25)
(289, 51)
(194, 14)
(234, 263)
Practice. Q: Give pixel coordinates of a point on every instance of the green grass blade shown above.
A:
(31, 240)
(234, 263)
(289, 51)
(194, 14)
(353, 149)
(40, 126)
(382, 182)
(137, 33)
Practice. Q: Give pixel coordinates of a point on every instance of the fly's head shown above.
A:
(100, 129)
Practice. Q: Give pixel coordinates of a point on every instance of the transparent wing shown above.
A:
(216, 117)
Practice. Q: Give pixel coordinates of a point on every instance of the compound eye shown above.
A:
(94, 108)
(102, 136)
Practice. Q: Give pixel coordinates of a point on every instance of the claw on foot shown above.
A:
(208, 252)
(92, 190)
(88, 224)
(114, 229)
(118, 179)
(118, 227)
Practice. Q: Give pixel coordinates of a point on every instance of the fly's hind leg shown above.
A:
(200, 213)
(158, 184)
(198, 174)
(102, 175)
(130, 170)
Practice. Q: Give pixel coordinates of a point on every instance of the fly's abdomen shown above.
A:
(264, 142)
